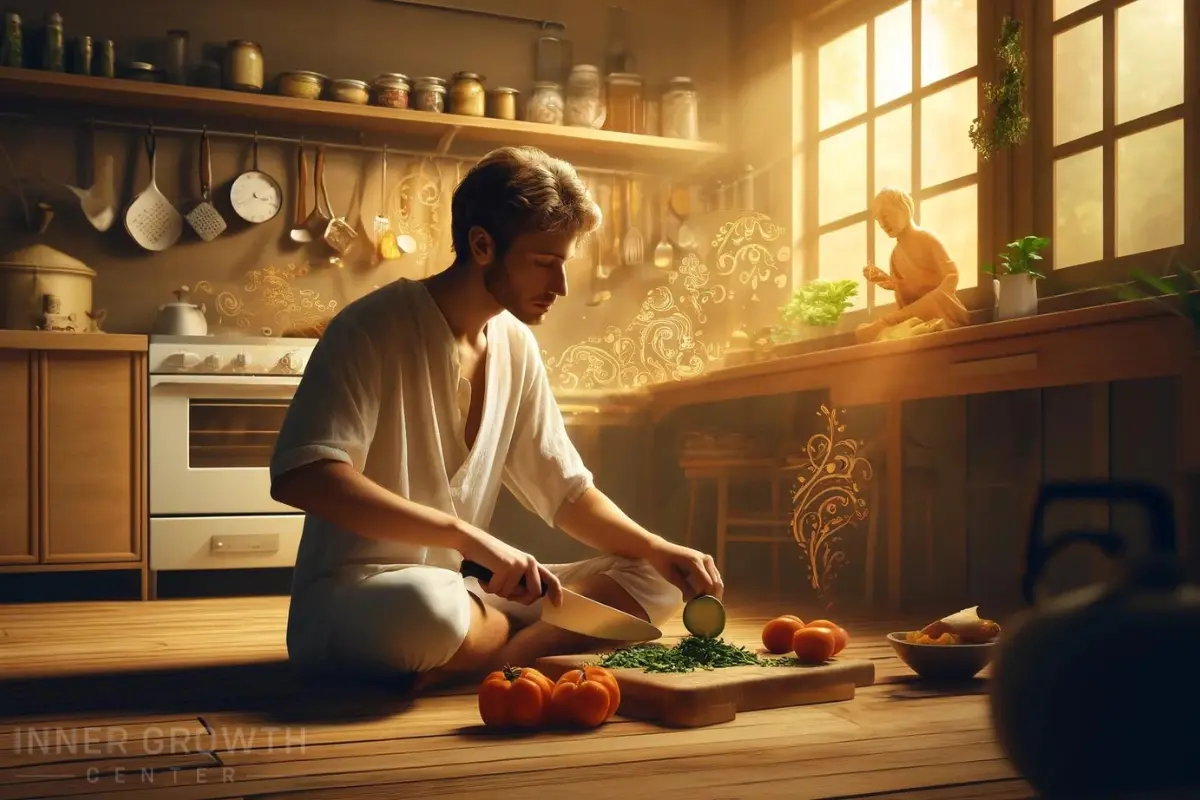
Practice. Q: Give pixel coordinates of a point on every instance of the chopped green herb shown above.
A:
(690, 654)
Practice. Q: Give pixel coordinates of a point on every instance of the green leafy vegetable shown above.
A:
(690, 654)
(819, 303)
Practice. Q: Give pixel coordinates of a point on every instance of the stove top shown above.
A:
(231, 354)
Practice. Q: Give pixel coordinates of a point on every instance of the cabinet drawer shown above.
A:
(179, 543)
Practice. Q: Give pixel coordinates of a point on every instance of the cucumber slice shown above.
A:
(704, 616)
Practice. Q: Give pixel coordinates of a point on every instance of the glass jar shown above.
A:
(243, 66)
(429, 94)
(348, 90)
(142, 71)
(653, 117)
(585, 97)
(546, 104)
(502, 103)
(626, 111)
(390, 90)
(680, 110)
(467, 94)
(302, 84)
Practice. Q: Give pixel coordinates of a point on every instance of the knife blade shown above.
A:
(580, 614)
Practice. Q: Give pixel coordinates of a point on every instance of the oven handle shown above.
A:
(224, 380)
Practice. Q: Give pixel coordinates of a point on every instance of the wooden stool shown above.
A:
(735, 468)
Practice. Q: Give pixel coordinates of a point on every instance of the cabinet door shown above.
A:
(91, 456)
(18, 539)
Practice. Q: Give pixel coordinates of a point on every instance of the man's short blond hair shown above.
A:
(515, 190)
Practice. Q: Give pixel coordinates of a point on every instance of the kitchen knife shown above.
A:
(580, 614)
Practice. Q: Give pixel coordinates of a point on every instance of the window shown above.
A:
(1111, 154)
(891, 102)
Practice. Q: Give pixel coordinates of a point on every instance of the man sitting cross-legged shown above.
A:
(422, 398)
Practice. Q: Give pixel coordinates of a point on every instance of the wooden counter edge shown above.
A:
(96, 342)
(972, 334)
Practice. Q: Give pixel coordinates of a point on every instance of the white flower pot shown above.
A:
(1016, 296)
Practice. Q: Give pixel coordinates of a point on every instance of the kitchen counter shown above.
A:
(95, 342)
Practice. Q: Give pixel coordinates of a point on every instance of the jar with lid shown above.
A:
(243, 66)
(585, 97)
(349, 90)
(626, 111)
(502, 103)
(303, 84)
(390, 90)
(467, 94)
(680, 110)
(142, 71)
(429, 94)
(546, 104)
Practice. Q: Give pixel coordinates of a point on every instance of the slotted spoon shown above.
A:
(151, 219)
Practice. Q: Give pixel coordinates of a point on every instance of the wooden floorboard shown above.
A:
(194, 700)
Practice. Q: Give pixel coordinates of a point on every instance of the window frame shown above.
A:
(830, 26)
(1111, 268)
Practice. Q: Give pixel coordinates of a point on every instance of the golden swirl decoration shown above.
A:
(269, 296)
(414, 206)
(659, 345)
(826, 500)
(663, 342)
(740, 249)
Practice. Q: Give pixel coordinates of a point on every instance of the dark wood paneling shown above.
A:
(1143, 444)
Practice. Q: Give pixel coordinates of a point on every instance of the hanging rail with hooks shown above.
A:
(289, 140)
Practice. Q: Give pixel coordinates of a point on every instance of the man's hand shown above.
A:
(509, 565)
(693, 572)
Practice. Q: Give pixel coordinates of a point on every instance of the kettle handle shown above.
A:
(1152, 499)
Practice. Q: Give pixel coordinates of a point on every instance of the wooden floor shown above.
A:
(193, 699)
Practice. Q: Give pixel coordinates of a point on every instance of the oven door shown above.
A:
(211, 441)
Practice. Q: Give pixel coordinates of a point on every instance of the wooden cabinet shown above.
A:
(73, 422)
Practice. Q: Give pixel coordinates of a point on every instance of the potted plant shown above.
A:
(1015, 276)
(815, 309)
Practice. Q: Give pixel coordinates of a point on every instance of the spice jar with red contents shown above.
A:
(390, 90)
(428, 94)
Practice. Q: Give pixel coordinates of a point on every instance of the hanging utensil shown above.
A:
(205, 220)
(300, 231)
(339, 234)
(634, 247)
(255, 196)
(599, 273)
(664, 254)
(318, 221)
(97, 201)
(151, 220)
(386, 248)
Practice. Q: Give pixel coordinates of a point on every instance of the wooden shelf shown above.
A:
(584, 145)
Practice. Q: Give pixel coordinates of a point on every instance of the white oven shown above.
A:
(216, 406)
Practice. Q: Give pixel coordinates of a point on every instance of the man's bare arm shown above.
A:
(343, 496)
(597, 522)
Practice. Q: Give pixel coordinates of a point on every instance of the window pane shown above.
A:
(946, 151)
(949, 42)
(893, 150)
(842, 78)
(893, 54)
(1079, 209)
(1064, 7)
(884, 245)
(1079, 81)
(842, 254)
(1149, 57)
(842, 173)
(954, 217)
(1150, 189)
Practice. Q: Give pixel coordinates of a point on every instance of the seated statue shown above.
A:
(921, 273)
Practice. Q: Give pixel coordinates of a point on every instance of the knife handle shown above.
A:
(470, 569)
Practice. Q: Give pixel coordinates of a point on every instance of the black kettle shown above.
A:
(1095, 691)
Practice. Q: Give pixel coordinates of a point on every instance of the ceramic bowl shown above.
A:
(942, 662)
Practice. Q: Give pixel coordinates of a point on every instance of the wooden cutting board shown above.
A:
(708, 697)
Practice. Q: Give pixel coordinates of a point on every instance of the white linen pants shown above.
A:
(406, 619)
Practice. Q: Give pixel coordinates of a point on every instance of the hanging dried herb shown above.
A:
(1009, 124)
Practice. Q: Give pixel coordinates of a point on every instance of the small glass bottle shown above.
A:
(680, 110)
(81, 58)
(502, 103)
(53, 56)
(106, 59)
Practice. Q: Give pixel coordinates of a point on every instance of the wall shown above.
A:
(278, 284)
